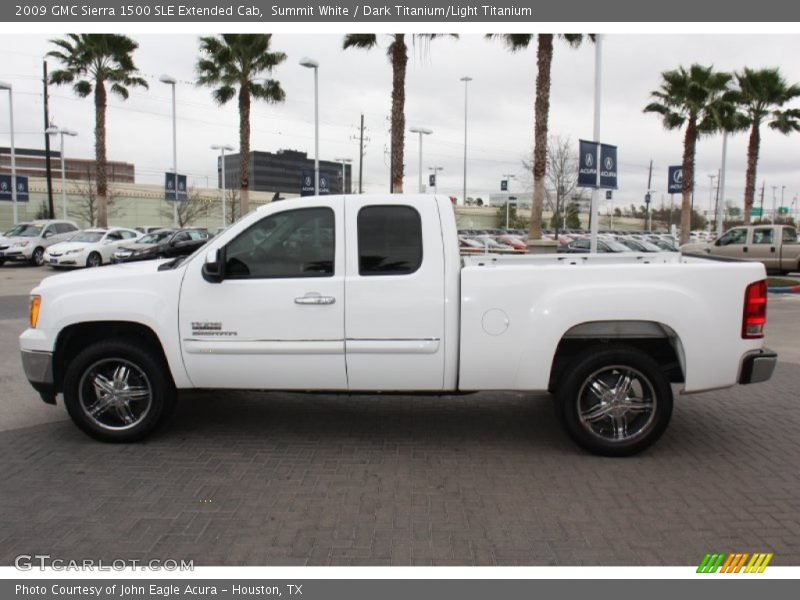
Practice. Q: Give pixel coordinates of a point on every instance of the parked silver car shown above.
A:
(26, 242)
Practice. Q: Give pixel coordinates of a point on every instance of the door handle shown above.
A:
(772, 249)
(744, 249)
(315, 300)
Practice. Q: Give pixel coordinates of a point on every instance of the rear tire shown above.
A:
(616, 401)
(116, 391)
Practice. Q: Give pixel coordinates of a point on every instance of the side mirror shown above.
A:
(214, 266)
(47, 234)
(718, 242)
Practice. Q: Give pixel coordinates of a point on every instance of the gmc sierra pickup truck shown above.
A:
(368, 293)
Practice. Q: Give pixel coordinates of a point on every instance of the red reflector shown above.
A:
(755, 310)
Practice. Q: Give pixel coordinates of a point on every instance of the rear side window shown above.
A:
(763, 236)
(389, 240)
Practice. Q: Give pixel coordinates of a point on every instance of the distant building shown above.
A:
(32, 163)
(282, 172)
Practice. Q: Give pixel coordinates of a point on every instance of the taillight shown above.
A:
(755, 310)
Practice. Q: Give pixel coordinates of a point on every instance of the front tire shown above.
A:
(115, 391)
(614, 402)
(94, 260)
(37, 258)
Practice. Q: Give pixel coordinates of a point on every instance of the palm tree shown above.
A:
(760, 97)
(91, 62)
(544, 60)
(234, 63)
(693, 98)
(398, 55)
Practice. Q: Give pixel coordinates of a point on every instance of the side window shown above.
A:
(763, 235)
(127, 235)
(114, 236)
(197, 235)
(49, 231)
(580, 244)
(789, 235)
(734, 236)
(183, 236)
(389, 240)
(293, 243)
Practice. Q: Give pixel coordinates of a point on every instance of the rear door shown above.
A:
(790, 250)
(764, 247)
(394, 283)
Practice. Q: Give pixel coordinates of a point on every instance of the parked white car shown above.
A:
(89, 248)
(368, 293)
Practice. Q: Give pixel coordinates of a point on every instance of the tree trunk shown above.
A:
(689, 143)
(399, 63)
(100, 99)
(244, 146)
(544, 59)
(753, 147)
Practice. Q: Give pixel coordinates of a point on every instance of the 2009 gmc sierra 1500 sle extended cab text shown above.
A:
(368, 293)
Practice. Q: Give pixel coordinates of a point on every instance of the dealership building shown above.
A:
(283, 172)
(31, 162)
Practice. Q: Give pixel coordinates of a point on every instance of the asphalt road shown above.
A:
(486, 479)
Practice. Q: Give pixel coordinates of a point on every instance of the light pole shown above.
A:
(436, 178)
(509, 177)
(421, 131)
(344, 162)
(310, 63)
(598, 81)
(60, 131)
(711, 178)
(171, 81)
(783, 189)
(466, 79)
(7, 86)
(774, 200)
(222, 148)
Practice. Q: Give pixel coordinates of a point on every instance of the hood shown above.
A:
(64, 246)
(696, 248)
(96, 278)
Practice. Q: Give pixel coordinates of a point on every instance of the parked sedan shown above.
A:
(89, 248)
(582, 247)
(165, 243)
(639, 245)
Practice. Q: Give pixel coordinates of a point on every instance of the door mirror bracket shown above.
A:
(214, 266)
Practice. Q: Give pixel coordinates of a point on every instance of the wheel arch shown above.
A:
(657, 340)
(73, 338)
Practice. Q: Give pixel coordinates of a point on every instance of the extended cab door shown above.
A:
(395, 310)
(764, 247)
(276, 320)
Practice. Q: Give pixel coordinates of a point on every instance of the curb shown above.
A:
(791, 289)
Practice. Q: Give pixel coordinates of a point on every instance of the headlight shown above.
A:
(36, 302)
(75, 251)
(20, 244)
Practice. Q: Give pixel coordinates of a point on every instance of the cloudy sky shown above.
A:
(352, 82)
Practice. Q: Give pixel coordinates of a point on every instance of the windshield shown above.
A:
(25, 230)
(616, 246)
(154, 238)
(87, 236)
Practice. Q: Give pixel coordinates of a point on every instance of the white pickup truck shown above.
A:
(369, 293)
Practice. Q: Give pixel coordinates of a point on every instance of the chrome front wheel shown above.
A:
(115, 394)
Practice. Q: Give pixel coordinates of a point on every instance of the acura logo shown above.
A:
(609, 163)
(589, 160)
(677, 176)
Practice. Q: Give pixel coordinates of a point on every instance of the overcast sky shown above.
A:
(500, 108)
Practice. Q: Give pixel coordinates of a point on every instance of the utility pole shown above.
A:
(763, 185)
(772, 219)
(361, 156)
(48, 165)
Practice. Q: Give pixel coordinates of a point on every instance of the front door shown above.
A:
(276, 321)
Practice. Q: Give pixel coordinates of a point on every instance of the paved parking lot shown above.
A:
(485, 479)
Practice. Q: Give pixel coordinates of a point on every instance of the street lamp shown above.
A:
(466, 79)
(711, 178)
(436, 178)
(60, 131)
(344, 162)
(509, 177)
(171, 81)
(421, 131)
(310, 63)
(7, 86)
(222, 148)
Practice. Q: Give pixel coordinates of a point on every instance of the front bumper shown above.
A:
(38, 367)
(65, 260)
(758, 366)
(132, 258)
(16, 254)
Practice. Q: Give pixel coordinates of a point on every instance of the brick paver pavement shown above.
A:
(486, 479)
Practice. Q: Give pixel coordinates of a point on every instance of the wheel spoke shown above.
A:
(620, 424)
(121, 374)
(125, 413)
(101, 405)
(134, 393)
(597, 412)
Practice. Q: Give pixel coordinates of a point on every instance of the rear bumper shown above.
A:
(757, 366)
(38, 367)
